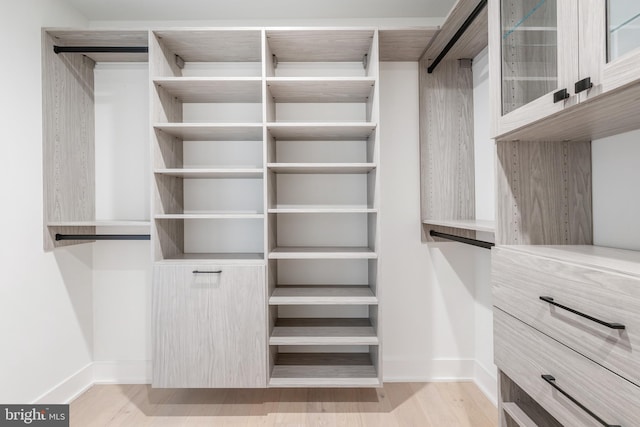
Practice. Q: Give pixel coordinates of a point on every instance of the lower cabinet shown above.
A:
(209, 326)
(566, 328)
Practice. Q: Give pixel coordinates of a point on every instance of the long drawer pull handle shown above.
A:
(552, 381)
(586, 316)
(207, 272)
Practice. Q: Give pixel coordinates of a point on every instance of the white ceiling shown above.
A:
(182, 10)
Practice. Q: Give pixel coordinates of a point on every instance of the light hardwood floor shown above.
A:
(395, 405)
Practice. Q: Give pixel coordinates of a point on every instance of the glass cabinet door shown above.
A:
(623, 27)
(529, 51)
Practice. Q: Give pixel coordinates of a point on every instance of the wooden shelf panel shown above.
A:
(474, 39)
(311, 331)
(212, 173)
(320, 45)
(321, 131)
(336, 252)
(229, 215)
(518, 415)
(404, 44)
(211, 89)
(103, 38)
(621, 261)
(320, 209)
(465, 224)
(212, 132)
(227, 258)
(320, 90)
(321, 168)
(324, 376)
(213, 45)
(323, 295)
(99, 223)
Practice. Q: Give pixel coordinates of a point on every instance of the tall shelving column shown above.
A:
(208, 295)
(322, 154)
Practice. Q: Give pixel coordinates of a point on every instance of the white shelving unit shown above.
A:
(265, 169)
(321, 113)
(266, 149)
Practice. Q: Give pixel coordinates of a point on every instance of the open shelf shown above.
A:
(227, 257)
(212, 173)
(465, 224)
(102, 38)
(518, 415)
(320, 45)
(309, 89)
(324, 370)
(226, 215)
(320, 209)
(323, 295)
(212, 89)
(321, 131)
(320, 168)
(328, 331)
(213, 45)
(213, 132)
(334, 252)
(99, 223)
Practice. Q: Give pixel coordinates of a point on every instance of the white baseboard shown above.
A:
(122, 372)
(69, 388)
(395, 370)
(119, 372)
(433, 370)
(487, 381)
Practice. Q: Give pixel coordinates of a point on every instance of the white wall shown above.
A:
(616, 207)
(485, 372)
(428, 301)
(122, 269)
(45, 298)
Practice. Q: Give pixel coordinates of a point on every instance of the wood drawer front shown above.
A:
(525, 354)
(209, 329)
(518, 281)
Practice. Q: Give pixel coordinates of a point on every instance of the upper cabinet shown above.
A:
(610, 39)
(564, 61)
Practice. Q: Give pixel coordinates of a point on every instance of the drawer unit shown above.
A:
(209, 326)
(588, 304)
(573, 389)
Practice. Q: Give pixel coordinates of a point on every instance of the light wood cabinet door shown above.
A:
(209, 326)
(609, 45)
(595, 295)
(538, 364)
(533, 49)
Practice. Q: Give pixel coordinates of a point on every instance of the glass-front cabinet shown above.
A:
(549, 55)
(609, 44)
(623, 27)
(534, 73)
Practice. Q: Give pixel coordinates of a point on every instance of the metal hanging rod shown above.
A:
(457, 35)
(465, 240)
(100, 49)
(103, 237)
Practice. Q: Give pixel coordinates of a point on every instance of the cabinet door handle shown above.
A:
(207, 272)
(586, 316)
(583, 85)
(560, 95)
(552, 381)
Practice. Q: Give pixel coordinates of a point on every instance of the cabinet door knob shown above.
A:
(552, 382)
(560, 95)
(583, 85)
